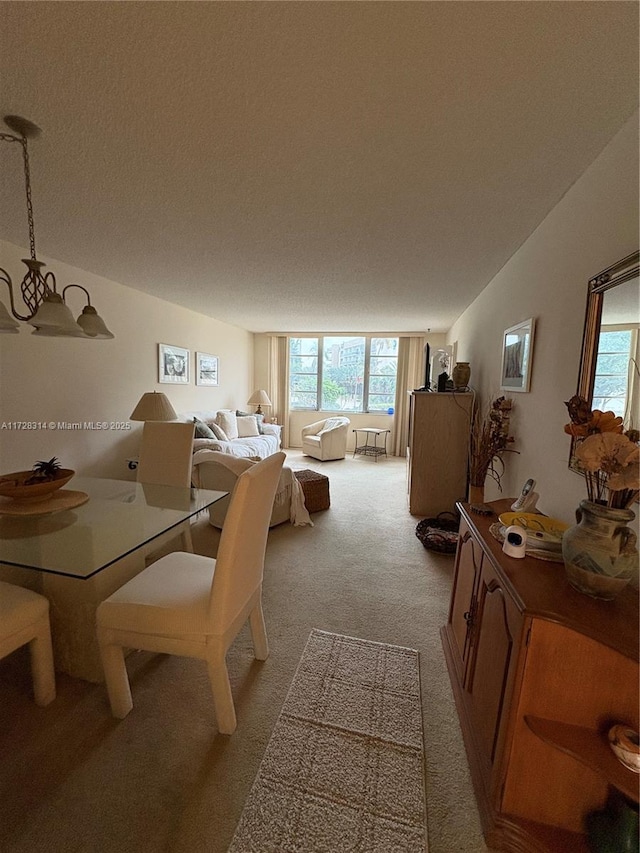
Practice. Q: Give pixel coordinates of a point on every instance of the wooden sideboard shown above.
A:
(539, 673)
(437, 450)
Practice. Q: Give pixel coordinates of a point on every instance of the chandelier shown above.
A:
(45, 308)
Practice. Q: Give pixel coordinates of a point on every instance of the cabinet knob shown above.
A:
(467, 616)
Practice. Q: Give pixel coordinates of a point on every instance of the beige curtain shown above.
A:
(633, 385)
(278, 382)
(411, 367)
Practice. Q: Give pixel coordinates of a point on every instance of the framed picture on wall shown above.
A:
(206, 369)
(173, 364)
(517, 353)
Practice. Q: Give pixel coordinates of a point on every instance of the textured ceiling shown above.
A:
(307, 165)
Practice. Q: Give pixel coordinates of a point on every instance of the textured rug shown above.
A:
(344, 769)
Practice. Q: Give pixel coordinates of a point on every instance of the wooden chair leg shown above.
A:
(222, 698)
(42, 671)
(259, 632)
(117, 680)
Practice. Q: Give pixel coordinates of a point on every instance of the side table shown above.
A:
(368, 448)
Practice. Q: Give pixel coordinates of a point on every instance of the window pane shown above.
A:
(303, 373)
(343, 374)
(304, 364)
(303, 400)
(612, 364)
(381, 402)
(388, 366)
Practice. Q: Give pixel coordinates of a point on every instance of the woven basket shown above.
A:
(439, 533)
(316, 490)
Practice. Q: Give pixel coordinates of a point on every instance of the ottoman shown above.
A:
(315, 488)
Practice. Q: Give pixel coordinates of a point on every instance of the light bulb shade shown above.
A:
(92, 323)
(259, 398)
(8, 325)
(54, 315)
(154, 406)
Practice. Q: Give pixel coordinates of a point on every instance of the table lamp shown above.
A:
(259, 398)
(154, 406)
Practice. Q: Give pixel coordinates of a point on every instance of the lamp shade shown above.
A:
(92, 323)
(154, 406)
(53, 314)
(8, 325)
(259, 398)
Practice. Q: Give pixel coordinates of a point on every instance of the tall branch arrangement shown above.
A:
(489, 440)
(606, 455)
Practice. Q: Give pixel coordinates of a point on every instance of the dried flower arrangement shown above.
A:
(607, 456)
(488, 441)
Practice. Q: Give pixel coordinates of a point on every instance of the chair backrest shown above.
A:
(240, 559)
(165, 453)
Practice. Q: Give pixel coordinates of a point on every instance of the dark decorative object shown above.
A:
(439, 533)
(615, 828)
(442, 381)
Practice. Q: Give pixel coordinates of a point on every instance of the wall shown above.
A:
(71, 380)
(594, 225)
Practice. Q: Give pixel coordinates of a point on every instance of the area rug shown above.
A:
(344, 768)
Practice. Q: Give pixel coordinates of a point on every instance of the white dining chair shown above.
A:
(165, 458)
(24, 618)
(187, 604)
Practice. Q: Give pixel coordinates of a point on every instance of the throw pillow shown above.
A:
(218, 432)
(202, 430)
(259, 418)
(229, 423)
(247, 426)
(331, 423)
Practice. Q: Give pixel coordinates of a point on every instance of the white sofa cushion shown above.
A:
(229, 423)
(247, 426)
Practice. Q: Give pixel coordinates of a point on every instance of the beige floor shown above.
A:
(74, 779)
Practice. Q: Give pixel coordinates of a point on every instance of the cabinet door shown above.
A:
(495, 637)
(463, 601)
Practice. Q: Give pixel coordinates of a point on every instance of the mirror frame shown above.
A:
(623, 270)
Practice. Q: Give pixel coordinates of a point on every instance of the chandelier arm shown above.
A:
(6, 278)
(64, 290)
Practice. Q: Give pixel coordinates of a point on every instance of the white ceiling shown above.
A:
(307, 166)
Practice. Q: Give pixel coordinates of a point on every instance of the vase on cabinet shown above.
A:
(461, 374)
(476, 494)
(599, 552)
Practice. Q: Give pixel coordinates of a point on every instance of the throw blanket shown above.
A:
(259, 446)
(288, 486)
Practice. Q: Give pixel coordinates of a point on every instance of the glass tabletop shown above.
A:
(119, 517)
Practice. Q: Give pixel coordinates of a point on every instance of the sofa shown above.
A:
(241, 434)
(326, 439)
(215, 470)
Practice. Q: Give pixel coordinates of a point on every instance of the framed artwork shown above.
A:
(173, 364)
(517, 351)
(206, 369)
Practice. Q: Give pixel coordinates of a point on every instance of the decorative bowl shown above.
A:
(13, 485)
(542, 532)
(625, 743)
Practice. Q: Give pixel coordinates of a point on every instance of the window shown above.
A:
(345, 374)
(612, 366)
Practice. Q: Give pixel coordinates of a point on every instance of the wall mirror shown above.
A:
(610, 365)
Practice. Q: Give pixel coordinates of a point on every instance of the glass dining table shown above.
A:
(77, 557)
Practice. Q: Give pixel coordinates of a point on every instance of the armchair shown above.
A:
(326, 439)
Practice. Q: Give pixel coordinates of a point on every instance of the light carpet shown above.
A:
(343, 769)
